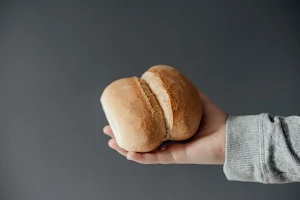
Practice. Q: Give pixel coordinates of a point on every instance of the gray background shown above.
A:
(56, 58)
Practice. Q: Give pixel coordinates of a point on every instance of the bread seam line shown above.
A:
(167, 134)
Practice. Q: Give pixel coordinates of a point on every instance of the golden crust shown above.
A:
(134, 115)
(144, 112)
(184, 101)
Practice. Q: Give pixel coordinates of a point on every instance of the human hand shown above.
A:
(207, 146)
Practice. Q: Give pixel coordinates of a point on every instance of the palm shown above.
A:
(205, 147)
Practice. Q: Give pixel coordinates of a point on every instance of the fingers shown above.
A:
(113, 144)
(168, 154)
(108, 131)
(151, 158)
(165, 145)
(159, 156)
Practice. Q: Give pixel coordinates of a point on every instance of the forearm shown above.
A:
(260, 148)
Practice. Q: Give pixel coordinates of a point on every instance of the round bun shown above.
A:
(134, 115)
(144, 112)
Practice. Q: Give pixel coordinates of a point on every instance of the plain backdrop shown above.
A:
(56, 57)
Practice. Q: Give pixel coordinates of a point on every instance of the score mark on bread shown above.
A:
(144, 112)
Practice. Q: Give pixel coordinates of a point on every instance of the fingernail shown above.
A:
(110, 144)
(163, 148)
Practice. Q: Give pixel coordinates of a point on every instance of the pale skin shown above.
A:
(207, 146)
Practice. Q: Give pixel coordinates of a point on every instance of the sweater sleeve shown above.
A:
(262, 148)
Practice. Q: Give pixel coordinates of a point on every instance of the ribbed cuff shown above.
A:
(244, 149)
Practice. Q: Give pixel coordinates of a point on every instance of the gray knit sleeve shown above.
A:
(262, 148)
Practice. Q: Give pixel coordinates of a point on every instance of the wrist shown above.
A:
(222, 146)
(222, 143)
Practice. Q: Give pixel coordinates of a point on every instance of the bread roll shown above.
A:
(144, 112)
(179, 99)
